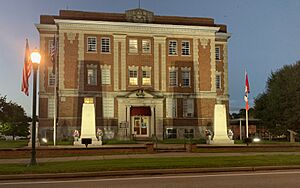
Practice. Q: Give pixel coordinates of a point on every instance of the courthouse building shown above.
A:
(149, 75)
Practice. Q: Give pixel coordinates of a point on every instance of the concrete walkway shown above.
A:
(126, 156)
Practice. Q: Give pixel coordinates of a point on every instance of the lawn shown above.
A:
(152, 163)
(13, 143)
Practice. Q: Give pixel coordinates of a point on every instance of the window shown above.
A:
(188, 133)
(146, 46)
(218, 56)
(173, 76)
(92, 74)
(146, 77)
(50, 107)
(188, 107)
(133, 46)
(51, 78)
(172, 47)
(91, 44)
(171, 133)
(185, 47)
(105, 75)
(133, 76)
(105, 44)
(218, 81)
(108, 107)
(171, 107)
(185, 78)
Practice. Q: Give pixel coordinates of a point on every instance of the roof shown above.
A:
(135, 13)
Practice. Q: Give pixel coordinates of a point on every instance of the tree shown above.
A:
(279, 106)
(13, 119)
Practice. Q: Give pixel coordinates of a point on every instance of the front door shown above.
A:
(141, 125)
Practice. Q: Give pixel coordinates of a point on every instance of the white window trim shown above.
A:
(93, 67)
(218, 53)
(108, 104)
(143, 50)
(171, 107)
(220, 76)
(188, 107)
(173, 69)
(137, 46)
(105, 67)
(186, 69)
(147, 69)
(133, 68)
(176, 48)
(87, 43)
(189, 48)
(109, 46)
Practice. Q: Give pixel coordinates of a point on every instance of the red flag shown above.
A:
(247, 91)
(26, 70)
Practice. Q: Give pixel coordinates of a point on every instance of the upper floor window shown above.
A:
(92, 74)
(133, 76)
(133, 46)
(218, 81)
(51, 78)
(188, 107)
(186, 78)
(146, 80)
(173, 72)
(91, 44)
(172, 47)
(105, 44)
(185, 47)
(105, 75)
(146, 46)
(171, 107)
(218, 55)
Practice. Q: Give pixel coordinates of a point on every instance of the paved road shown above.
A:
(267, 179)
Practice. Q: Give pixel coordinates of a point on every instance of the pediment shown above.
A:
(140, 93)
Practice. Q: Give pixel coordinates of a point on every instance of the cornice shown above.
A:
(224, 36)
(46, 27)
(121, 27)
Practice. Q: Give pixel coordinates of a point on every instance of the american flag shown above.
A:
(26, 70)
(247, 91)
(53, 49)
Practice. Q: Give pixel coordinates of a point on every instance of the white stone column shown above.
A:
(225, 60)
(61, 65)
(196, 64)
(80, 61)
(157, 41)
(119, 39)
(213, 63)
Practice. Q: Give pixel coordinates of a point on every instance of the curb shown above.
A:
(142, 172)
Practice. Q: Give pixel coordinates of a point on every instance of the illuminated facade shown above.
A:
(149, 75)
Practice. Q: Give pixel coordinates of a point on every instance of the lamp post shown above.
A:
(35, 59)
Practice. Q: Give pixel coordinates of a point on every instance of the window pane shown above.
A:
(218, 81)
(146, 46)
(146, 78)
(92, 44)
(172, 47)
(133, 77)
(92, 76)
(218, 57)
(133, 46)
(105, 44)
(185, 48)
(105, 76)
(173, 78)
(186, 78)
(51, 78)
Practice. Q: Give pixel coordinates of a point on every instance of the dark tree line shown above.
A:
(278, 107)
(13, 119)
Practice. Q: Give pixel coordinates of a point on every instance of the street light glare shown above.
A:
(35, 57)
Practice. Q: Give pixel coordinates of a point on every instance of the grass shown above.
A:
(13, 143)
(152, 163)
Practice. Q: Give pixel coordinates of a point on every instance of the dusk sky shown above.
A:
(265, 35)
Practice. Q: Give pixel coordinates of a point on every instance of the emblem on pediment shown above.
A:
(139, 16)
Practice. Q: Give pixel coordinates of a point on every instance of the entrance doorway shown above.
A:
(140, 125)
(140, 120)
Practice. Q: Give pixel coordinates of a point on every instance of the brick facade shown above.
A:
(181, 91)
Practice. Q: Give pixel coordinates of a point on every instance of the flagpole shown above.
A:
(55, 94)
(247, 124)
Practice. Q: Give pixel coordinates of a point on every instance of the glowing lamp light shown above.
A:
(256, 139)
(44, 140)
(35, 57)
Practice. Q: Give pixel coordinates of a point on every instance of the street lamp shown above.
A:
(35, 59)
